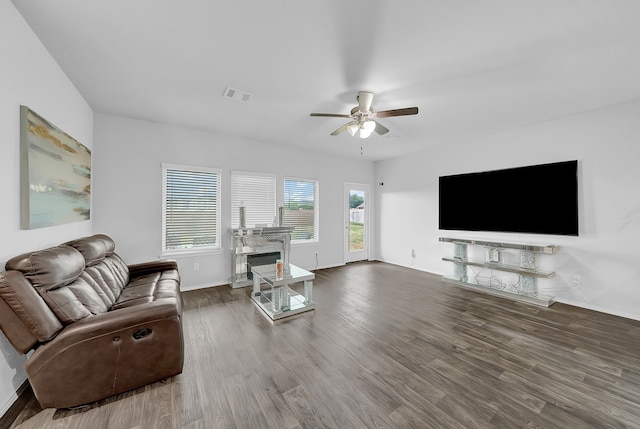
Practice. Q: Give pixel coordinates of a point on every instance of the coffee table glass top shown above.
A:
(295, 274)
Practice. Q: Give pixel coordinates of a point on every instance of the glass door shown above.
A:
(356, 222)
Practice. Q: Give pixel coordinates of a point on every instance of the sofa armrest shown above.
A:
(127, 348)
(152, 267)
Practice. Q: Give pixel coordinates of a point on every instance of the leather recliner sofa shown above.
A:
(97, 326)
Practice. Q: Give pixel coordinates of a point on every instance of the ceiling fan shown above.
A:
(363, 117)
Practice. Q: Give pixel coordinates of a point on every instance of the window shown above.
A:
(190, 209)
(258, 194)
(301, 208)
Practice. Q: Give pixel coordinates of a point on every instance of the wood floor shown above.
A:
(386, 347)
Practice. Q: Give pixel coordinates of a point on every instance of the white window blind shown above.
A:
(301, 208)
(191, 208)
(258, 194)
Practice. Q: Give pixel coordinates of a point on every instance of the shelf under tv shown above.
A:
(540, 300)
(503, 267)
(502, 245)
(524, 290)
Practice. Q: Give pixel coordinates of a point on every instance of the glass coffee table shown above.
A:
(280, 300)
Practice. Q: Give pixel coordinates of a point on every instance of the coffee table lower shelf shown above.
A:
(264, 300)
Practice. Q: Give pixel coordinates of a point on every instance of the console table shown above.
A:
(281, 301)
(526, 289)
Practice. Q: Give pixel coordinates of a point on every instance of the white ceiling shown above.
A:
(472, 67)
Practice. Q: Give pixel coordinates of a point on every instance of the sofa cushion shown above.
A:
(49, 269)
(65, 304)
(149, 287)
(94, 292)
(88, 297)
(108, 278)
(94, 248)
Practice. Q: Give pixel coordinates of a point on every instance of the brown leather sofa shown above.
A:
(97, 326)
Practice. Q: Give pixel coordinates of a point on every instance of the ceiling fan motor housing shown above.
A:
(361, 116)
(364, 100)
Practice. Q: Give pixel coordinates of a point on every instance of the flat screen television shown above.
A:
(536, 199)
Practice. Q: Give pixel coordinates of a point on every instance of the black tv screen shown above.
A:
(537, 199)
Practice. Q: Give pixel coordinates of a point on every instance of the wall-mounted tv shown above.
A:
(536, 199)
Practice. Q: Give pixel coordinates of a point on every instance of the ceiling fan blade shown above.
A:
(397, 112)
(381, 129)
(330, 115)
(364, 100)
(342, 128)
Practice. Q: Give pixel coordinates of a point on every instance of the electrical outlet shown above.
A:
(196, 266)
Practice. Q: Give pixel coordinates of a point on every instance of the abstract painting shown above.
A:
(55, 174)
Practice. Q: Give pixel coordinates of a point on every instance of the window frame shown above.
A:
(316, 207)
(217, 248)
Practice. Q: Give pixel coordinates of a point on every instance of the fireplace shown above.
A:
(257, 246)
(261, 259)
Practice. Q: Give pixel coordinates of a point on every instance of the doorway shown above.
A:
(356, 222)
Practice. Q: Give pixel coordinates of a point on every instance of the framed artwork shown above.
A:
(55, 174)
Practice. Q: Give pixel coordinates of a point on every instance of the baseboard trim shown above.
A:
(598, 309)
(15, 404)
(226, 283)
(202, 286)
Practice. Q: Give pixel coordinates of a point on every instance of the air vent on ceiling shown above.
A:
(390, 137)
(236, 94)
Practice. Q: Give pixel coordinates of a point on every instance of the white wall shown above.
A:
(29, 76)
(605, 258)
(128, 189)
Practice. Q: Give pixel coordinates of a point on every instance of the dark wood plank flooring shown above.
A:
(386, 347)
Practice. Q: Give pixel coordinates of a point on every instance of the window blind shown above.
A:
(258, 194)
(191, 208)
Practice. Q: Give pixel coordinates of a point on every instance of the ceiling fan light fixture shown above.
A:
(367, 128)
(369, 125)
(364, 133)
(352, 129)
